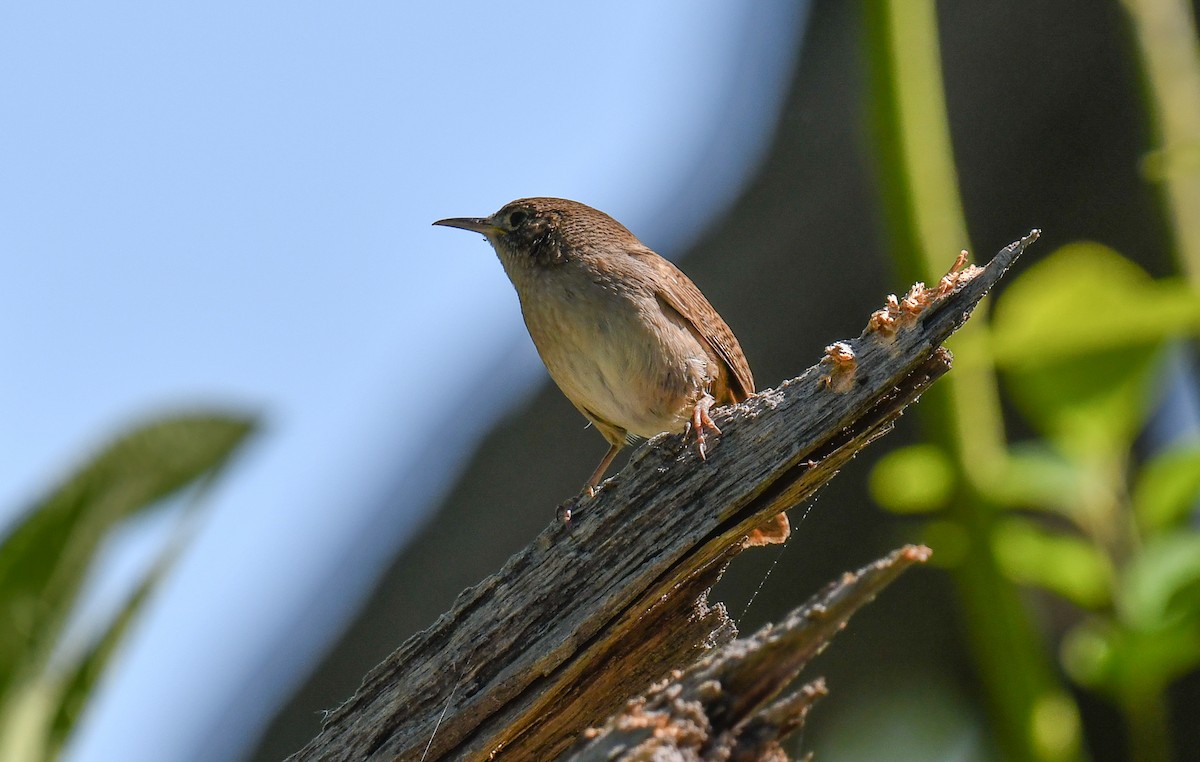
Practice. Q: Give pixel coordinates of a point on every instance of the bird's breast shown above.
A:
(617, 354)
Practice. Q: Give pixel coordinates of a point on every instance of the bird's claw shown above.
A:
(702, 420)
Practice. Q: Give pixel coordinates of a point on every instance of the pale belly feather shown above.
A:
(638, 369)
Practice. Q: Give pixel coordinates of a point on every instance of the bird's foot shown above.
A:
(701, 421)
(593, 482)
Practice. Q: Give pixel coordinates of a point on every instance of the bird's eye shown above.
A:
(517, 218)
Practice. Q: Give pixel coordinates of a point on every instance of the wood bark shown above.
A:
(717, 710)
(595, 610)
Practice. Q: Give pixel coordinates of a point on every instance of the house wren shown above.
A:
(627, 337)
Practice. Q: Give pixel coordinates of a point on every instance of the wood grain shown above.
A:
(590, 613)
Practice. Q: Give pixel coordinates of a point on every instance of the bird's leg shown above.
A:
(598, 474)
(701, 420)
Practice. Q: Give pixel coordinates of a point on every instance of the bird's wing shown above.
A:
(684, 297)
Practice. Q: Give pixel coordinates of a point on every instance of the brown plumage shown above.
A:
(624, 333)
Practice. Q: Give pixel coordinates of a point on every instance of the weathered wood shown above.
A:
(593, 611)
(717, 710)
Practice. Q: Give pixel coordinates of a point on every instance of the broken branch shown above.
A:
(593, 611)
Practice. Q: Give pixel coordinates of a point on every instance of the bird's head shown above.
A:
(544, 232)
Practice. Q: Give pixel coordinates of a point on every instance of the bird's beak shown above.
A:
(476, 224)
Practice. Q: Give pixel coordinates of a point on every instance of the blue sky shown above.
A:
(229, 204)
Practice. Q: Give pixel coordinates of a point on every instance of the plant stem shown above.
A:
(1167, 42)
(1149, 736)
(921, 198)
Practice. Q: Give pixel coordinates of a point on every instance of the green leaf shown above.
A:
(1062, 563)
(43, 559)
(1088, 654)
(74, 680)
(1167, 488)
(913, 479)
(1037, 476)
(1082, 299)
(1128, 663)
(1078, 335)
(25, 720)
(1161, 587)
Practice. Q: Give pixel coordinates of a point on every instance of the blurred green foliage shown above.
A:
(1078, 342)
(46, 556)
(1078, 339)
